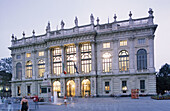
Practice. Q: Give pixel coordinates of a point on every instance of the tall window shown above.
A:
(18, 90)
(57, 61)
(41, 68)
(123, 61)
(85, 58)
(123, 42)
(71, 59)
(29, 69)
(107, 62)
(28, 90)
(124, 86)
(107, 87)
(141, 59)
(18, 71)
(142, 86)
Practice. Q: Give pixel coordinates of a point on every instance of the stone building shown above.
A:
(94, 59)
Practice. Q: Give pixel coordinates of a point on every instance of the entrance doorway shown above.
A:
(70, 88)
(85, 88)
(57, 88)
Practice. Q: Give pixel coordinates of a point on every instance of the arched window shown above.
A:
(123, 60)
(41, 68)
(141, 59)
(29, 69)
(107, 62)
(18, 71)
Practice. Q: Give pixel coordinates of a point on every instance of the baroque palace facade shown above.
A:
(97, 60)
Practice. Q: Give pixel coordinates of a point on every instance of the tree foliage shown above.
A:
(163, 79)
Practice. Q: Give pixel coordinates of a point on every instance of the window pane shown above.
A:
(123, 42)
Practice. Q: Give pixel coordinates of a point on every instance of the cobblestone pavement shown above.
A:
(110, 104)
(101, 104)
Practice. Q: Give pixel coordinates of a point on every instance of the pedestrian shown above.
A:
(24, 104)
(35, 99)
(65, 100)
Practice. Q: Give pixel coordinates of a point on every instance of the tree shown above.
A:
(163, 79)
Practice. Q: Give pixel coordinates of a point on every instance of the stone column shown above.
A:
(63, 59)
(78, 57)
(46, 60)
(23, 65)
(14, 67)
(115, 65)
(93, 52)
(34, 74)
(93, 86)
(77, 87)
(13, 88)
(49, 64)
(131, 55)
(63, 87)
(151, 54)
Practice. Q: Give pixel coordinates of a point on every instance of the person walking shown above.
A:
(24, 104)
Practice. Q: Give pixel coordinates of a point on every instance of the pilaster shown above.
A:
(93, 86)
(115, 66)
(77, 88)
(23, 65)
(151, 53)
(93, 58)
(131, 55)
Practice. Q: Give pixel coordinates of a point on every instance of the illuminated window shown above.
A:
(57, 61)
(107, 87)
(28, 90)
(141, 59)
(41, 68)
(124, 86)
(106, 45)
(71, 59)
(18, 91)
(107, 62)
(41, 53)
(123, 61)
(142, 86)
(28, 55)
(29, 69)
(141, 41)
(85, 58)
(18, 71)
(123, 42)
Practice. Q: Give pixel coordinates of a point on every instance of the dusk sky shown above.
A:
(17, 16)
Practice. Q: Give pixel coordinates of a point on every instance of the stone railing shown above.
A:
(117, 25)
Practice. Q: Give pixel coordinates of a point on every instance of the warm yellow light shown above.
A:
(1, 88)
(106, 55)
(124, 88)
(73, 86)
(7, 88)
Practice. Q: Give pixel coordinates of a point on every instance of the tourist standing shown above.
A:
(24, 104)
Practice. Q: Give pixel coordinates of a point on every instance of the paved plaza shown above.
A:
(105, 104)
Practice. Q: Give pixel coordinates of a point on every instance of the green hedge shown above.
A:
(161, 97)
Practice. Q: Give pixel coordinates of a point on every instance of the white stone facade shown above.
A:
(129, 30)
